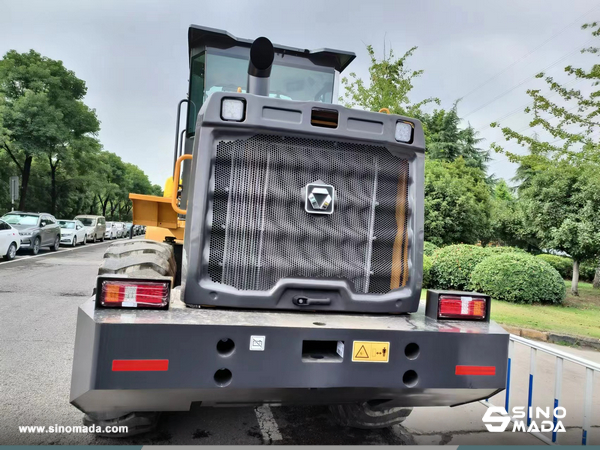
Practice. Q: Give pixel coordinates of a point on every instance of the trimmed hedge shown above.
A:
(562, 264)
(497, 250)
(518, 278)
(429, 248)
(426, 271)
(452, 266)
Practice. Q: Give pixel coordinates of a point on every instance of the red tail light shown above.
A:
(461, 307)
(134, 294)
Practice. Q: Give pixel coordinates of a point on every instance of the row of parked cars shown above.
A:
(36, 230)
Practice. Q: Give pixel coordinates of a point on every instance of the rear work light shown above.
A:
(457, 305)
(133, 294)
(461, 307)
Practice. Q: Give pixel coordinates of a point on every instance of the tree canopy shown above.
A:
(49, 137)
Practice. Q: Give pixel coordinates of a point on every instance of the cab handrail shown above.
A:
(176, 178)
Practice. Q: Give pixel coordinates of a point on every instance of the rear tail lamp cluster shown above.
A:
(457, 305)
(463, 307)
(133, 294)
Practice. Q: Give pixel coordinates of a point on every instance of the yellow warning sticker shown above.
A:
(367, 351)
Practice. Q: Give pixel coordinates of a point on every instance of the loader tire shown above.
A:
(143, 259)
(368, 416)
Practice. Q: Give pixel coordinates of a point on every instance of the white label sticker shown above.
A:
(257, 343)
(340, 348)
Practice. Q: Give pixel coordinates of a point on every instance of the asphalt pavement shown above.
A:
(39, 297)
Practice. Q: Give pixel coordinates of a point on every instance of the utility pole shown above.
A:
(14, 191)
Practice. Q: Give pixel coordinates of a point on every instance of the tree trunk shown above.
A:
(575, 281)
(113, 208)
(25, 181)
(597, 278)
(93, 205)
(104, 204)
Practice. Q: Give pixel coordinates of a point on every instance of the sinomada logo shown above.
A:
(496, 419)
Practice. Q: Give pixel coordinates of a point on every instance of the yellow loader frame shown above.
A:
(160, 215)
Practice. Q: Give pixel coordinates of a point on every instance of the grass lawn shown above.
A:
(577, 316)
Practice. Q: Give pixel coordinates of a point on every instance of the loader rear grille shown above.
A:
(261, 232)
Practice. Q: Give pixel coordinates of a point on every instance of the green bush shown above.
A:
(497, 250)
(452, 266)
(518, 278)
(562, 264)
(426, 271)
(429, 248)
(587, 270)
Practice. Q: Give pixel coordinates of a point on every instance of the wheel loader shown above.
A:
(284, 263)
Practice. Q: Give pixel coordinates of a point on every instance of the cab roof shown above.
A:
(211, 37)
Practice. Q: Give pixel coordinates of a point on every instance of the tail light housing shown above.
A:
(125, 292)
(456, 305)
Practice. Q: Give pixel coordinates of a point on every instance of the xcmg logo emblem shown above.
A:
(542, 419)
(319, 198)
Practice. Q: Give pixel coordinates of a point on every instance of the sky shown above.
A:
(133, 54)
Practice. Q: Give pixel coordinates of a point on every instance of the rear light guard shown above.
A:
(456, 305)
(123, 292)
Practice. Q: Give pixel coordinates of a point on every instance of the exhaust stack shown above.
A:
(262, 55)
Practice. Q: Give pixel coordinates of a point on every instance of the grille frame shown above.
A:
(198, 287)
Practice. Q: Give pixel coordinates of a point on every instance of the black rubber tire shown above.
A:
(74, 241)
(136, 423)
(35, 249)
(367, 416)
(139, 259)
(84, 240)
(56, 245)
(145, 259)
(102, 239)
(11, 252)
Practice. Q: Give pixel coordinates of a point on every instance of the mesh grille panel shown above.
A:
(262, 233)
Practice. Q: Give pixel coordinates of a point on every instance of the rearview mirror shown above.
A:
(43, 223)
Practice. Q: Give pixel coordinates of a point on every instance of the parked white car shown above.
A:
(72, 232)
(120, 229)
(111, 230)
(10, 241)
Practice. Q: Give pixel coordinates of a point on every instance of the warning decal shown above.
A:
(367, 351)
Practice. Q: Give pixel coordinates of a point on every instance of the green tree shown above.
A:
(446, 141)
(572, 120)
(508, 225)
(564, 143)
(390, 82)
(563, 200)
(43, 114)
(457, 203)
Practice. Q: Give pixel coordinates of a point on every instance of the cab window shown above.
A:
(211, 72)
(196, 90)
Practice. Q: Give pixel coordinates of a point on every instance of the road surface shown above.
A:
(38, 304)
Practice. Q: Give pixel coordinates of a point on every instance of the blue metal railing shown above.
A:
(561, 356)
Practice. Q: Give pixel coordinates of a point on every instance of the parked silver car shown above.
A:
(95, 226)
(36, 229)
(111, 230)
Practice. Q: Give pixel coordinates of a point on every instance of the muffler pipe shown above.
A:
(262, 55)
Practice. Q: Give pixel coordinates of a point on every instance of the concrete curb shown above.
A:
(555, 338)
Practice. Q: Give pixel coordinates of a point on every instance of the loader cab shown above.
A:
(219, 63)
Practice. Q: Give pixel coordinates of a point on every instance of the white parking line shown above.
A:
(268, 426)
(18, 259)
